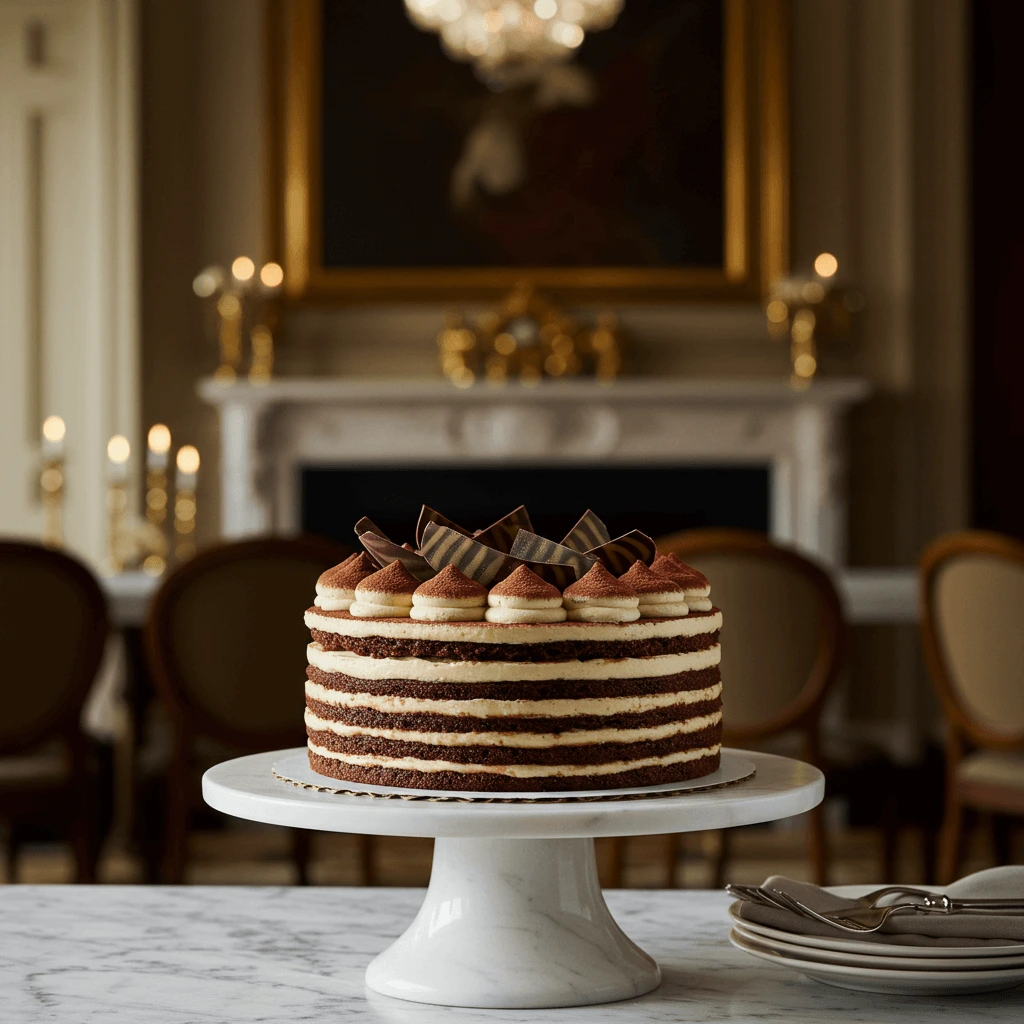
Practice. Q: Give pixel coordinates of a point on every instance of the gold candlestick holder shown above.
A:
(51, 482)
(187, 462)
(118, 539)
(158, 447)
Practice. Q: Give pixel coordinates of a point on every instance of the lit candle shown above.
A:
(826, 265)
(118, 452)
(158, 445)
(271, 277)
(53, 437)
(242, 269)
(187, 461)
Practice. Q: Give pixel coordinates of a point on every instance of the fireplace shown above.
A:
(656, 499)
(658, 455)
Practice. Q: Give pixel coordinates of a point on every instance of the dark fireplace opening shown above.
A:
(656, 499)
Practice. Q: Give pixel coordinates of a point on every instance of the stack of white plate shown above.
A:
(849, 962)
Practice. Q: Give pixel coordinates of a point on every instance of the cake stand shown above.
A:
(514, 916)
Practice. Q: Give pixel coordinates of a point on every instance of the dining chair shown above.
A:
(783, 646)
(972, 632)
(225, 642)
(53, 628)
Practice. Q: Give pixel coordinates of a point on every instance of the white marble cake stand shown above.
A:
(514, 916)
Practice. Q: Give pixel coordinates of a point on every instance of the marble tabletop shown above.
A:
(162, 955)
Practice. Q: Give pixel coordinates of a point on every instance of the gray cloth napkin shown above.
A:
(906, 929)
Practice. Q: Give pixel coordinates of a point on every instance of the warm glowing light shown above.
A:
(229, 307)
(777, 311)
(208, 281)
(159, 439)
(813, 292)
(54, 429)
(187, 459)
(545, 8)
(826, 265)
(566, 34)
(243, 268)
(804, 365)
(505, 344)
(271, 275)
(118, 449)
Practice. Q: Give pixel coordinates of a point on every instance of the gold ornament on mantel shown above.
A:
(808, 310)
(236, 299)
(526, 338)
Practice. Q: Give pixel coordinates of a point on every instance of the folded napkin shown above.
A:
(905, 929)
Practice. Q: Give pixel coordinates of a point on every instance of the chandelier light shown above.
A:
(502, 36)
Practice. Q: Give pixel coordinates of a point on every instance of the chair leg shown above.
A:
(672, 844)
(366, 847)
(950, 840)
(721, 857)
(817, 848)
(302, 846)
(178, 803)
(1001, 839)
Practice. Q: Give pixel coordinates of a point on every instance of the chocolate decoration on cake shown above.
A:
(431, 681)
(589, 532)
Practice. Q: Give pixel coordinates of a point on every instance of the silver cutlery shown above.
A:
(759, 894)
(870, 919)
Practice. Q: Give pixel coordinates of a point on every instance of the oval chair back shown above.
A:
(783, 643)
(226, 646)
(53, 629)
(972, 601)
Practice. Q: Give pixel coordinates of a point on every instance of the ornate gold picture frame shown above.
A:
(754, 194)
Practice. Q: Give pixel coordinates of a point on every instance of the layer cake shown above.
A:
(474, 670)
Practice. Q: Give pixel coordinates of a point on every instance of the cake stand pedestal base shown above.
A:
(513, 923)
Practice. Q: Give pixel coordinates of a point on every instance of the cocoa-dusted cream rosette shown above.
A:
(696, 586)
(451, 596)
(336, 588)
(660, 597)
(386, 594)
(524, 597)
(599, 597)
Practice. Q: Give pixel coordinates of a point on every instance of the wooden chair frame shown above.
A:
(64, 720)
(803, 712)
(963, 731)
(191, 721)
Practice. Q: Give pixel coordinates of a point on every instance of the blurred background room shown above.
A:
(742, 274)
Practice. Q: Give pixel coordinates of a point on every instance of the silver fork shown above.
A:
(870, 919)
(759, 894)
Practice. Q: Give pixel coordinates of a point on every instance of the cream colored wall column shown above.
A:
(68, 251)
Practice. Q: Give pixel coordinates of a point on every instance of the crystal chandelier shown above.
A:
(500, 37)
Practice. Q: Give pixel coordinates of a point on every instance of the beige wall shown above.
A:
(878, 148)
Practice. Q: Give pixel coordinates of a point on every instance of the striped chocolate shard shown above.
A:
(590, 532)
(443, 546)
(619, 554)
(502, 534)
(429, 515)
(553, 562)
(385, 551)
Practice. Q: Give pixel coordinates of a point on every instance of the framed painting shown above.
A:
(653, 166)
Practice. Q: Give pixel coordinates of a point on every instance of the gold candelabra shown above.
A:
(51, 481)
(157, 450)
(806, 310)
(236, 299)
(187, 463)
(118, 541)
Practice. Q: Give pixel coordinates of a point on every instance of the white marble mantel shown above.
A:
(176, 955)
(270, 431)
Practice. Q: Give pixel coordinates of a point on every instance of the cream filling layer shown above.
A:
(699, 604)
(514, 601)
(512, 615)
(437, 613)
(484, 707)
(515, 771)
(436, 670)
(664, 610)
(604, 613)
(521, 740)
(502, 633)
(364, 609)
